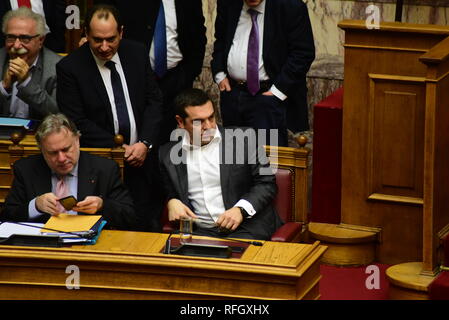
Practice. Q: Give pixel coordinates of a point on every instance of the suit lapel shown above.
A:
(87, 178)
(42, 181)
(132, 82)
(268, 29)
(234, 16)
(225, 169)
(181, 171)
(95, 78)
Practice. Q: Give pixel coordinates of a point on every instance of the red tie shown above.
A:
(24, 3)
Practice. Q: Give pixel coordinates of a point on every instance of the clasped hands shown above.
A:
(135, 154)
(230, 219)
(48, 203)
(18, 70)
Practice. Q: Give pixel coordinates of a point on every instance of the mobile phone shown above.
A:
(68, 202)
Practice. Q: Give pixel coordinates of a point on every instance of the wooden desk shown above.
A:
(129, 265)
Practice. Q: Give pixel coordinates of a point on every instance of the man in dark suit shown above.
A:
(262, 52)
(106, 87)
(28, 86)
(216, 176)
(62, 170)
(185, 35)
(54, 13)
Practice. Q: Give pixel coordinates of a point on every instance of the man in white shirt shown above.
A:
(185, 44)
(262, 52)
(218, 182)
(28, 86)
(107, 87)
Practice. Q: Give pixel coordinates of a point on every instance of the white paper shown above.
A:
(7, 229)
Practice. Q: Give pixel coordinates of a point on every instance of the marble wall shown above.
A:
(326, 73)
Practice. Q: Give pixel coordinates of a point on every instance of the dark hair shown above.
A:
(102, 11)
(190, 98)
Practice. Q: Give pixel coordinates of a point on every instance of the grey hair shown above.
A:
(54, 123)
(25, 13)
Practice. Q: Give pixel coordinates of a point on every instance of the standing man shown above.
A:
(62, 170)
(175, 35)
(106, 87)
(262, 52)
(54, 15)
(216, 176)
(28, 86)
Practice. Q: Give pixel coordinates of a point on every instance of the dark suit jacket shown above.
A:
(97, 176)
(139, 25)
(55, 17)
(82, 96)
(288, 50)
(238, 181)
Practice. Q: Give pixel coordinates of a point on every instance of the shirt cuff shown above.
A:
(33, 213)
(3, 90)
(219, 77)
(247, 206)
(278, 93)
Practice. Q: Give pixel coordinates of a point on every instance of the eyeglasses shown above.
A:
(25, 39)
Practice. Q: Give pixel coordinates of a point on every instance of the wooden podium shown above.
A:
(131, 265)
(395, 154)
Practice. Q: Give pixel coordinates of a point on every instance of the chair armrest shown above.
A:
(287, 233)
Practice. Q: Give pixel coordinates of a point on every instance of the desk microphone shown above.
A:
(254, 243)
(168, 244)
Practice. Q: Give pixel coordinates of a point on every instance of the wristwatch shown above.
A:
(147, 144)
(243, 212)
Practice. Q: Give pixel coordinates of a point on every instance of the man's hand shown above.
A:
(136, 154)
(178, 210)
(48, 202)
(19, 68)
(224, 85)
(230, 219)
(91, 204)
(267, 93)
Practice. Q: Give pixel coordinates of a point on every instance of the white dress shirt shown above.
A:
(36, 6)
(174, 55)
(204, 181)
(237, 57)
(106, 76)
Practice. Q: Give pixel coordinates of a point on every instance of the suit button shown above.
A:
(149, 27)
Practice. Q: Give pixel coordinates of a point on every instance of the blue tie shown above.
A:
(120, 102)
(160, 44)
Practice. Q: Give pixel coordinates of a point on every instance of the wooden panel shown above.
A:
(396, 119)
(382, 158)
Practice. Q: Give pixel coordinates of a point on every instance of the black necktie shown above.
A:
(120, 102)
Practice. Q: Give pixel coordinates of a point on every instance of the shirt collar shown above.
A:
(260, 8)
(73, 173)
(115, 58)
